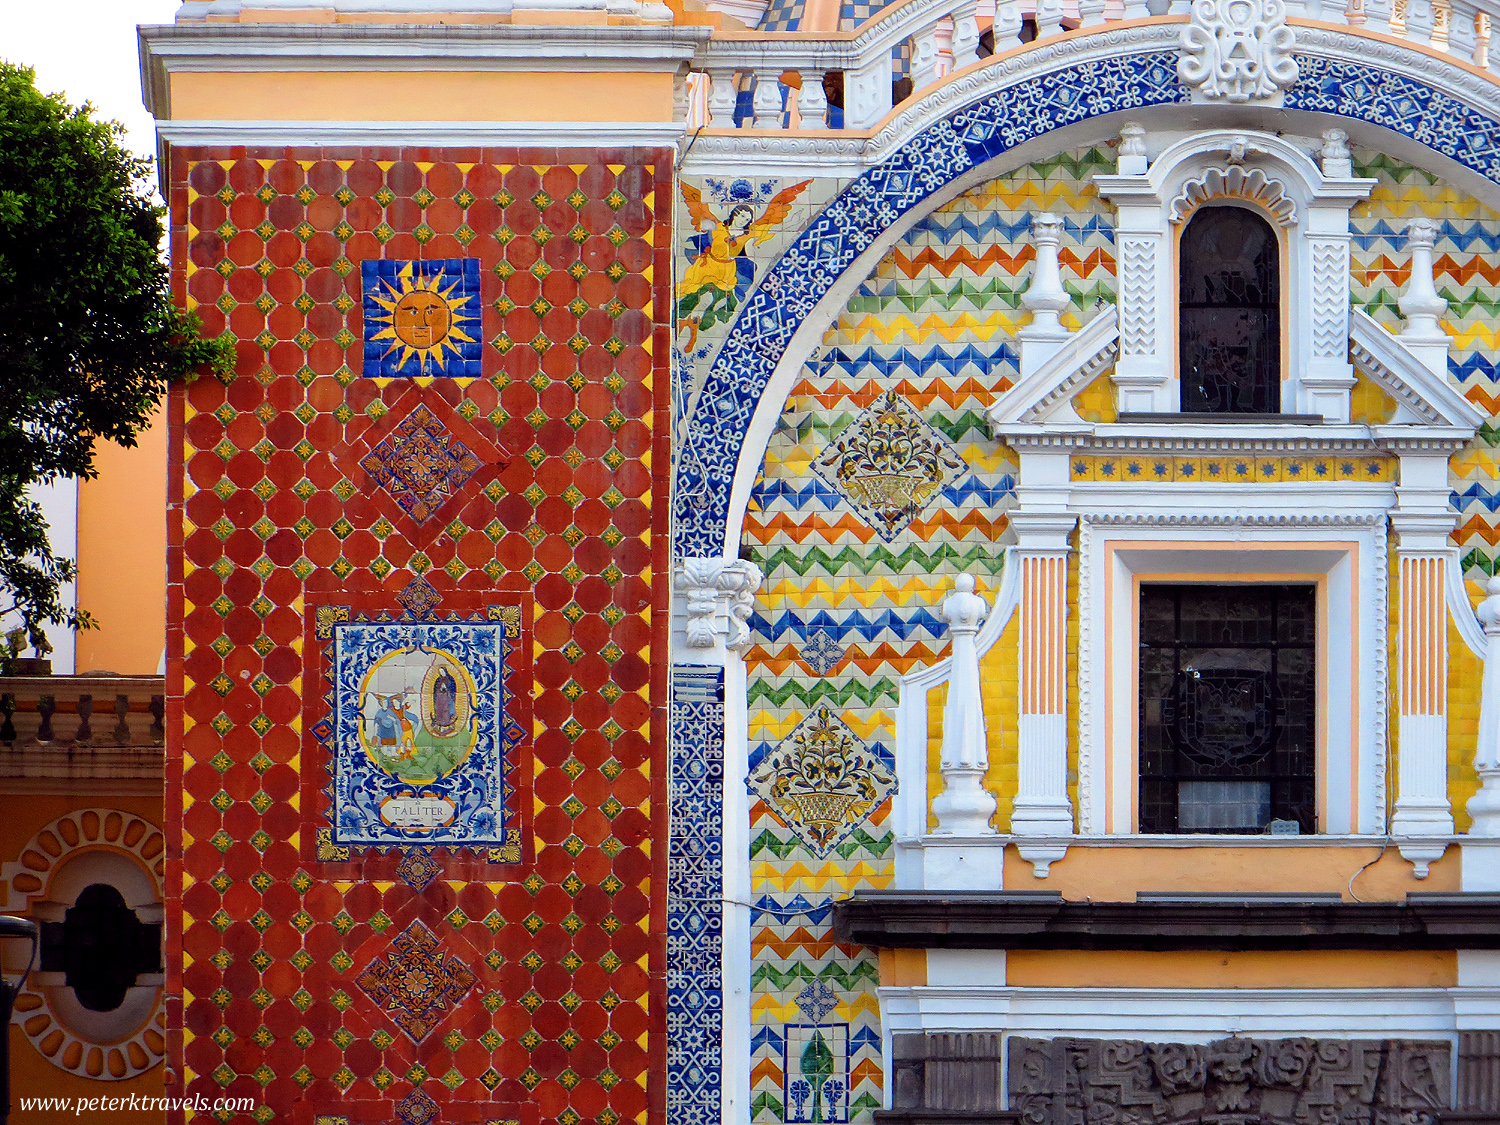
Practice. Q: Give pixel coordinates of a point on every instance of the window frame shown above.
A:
(1347, 566)
(1176, 646)
(1284, 283)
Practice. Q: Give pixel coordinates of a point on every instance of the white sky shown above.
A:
(87, 50)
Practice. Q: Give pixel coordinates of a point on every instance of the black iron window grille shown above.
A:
(1228, 714)
(102, 947)
(1230, 313)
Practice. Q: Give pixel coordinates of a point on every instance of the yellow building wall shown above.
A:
(122, 557)
(1117, 873)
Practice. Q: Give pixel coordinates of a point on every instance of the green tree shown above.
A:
(89, 336)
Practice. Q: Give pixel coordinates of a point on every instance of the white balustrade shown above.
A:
(945, 37)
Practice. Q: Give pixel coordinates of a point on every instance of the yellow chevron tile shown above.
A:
(868, 725)
(1463, 339)
(1473, 461)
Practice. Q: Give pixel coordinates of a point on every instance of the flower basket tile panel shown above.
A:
(415, 645)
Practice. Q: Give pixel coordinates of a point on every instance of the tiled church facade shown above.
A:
(655, 620)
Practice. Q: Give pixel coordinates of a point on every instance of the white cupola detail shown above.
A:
(965, 806)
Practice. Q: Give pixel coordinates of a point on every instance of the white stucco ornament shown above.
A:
(1237, 51)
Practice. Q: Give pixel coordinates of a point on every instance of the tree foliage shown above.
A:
(89, 336)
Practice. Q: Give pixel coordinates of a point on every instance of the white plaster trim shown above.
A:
(1184, 840)
(1461, 607)
(1084, 354)
(1385, 359)
(1351, 605)
(1234, 183)
(610, 134)
(1191, 1015)
(227, 47)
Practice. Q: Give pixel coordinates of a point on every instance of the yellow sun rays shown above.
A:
(422, 319)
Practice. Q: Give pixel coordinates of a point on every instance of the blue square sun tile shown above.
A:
(421, 318)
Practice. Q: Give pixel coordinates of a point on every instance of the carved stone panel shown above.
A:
(1228, 1082)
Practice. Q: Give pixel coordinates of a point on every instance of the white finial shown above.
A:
(1131, 160)
(964, 807)
(1420, 303)
(1338, 163)
(1045, 296)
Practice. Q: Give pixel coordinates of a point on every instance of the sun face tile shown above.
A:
(421, 318)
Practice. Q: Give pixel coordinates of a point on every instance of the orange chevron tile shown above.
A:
(931, 258)
(1479, 397)
(1476, 527)
(764, 1070)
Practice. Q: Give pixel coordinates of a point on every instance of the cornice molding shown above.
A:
(1038, 920)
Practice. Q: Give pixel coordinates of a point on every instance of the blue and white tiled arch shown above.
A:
(715, 434)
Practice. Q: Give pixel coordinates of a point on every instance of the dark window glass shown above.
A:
(1231, 310)
(102, 947)
(1228, 719)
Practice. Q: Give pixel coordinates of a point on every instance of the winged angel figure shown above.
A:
(720, 274)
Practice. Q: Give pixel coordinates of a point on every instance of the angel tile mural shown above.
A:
(720, 271)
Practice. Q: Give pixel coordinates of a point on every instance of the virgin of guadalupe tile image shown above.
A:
(420, 733)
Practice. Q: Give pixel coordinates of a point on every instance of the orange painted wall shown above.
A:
(429, 96)
(122, 557)
(1115, 874)
(1330, 968)
(31, 1074)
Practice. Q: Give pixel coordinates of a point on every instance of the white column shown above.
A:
(713, 598)
(1042, 807)
(1147, 291)
(1422, 805)
(1045, 297)
(1420, 304)
(965, 806)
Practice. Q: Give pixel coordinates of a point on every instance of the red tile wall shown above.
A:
(271, 514)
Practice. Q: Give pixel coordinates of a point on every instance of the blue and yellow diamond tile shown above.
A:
(421, 319)
(1241, 470)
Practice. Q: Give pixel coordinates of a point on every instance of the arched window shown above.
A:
(1230, 314)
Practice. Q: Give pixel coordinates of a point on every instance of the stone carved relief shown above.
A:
(1235, 183)
(1228, 1082)
(1237, 51)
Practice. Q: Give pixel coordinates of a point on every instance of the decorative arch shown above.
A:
(80, 848)
(1385, 85)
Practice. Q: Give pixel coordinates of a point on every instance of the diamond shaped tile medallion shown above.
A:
(420, 463)
(421, 736)
(889, 464)
(421, 319)
(416, 982)
(822, 780)
(822, 652)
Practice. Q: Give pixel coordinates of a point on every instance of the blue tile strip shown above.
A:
(695, 886)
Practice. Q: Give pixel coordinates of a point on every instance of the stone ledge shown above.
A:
(1043, 920)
